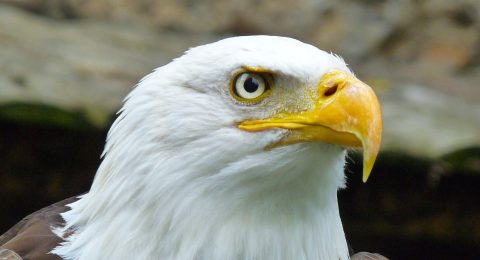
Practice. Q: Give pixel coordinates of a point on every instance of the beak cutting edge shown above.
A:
(346, 113)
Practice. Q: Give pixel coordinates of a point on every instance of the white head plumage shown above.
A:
(181, 180)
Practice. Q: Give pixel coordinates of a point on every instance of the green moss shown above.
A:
(41, 114)
(465, 161)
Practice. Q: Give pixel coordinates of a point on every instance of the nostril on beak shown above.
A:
(331, 90)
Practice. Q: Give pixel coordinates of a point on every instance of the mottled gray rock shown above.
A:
(423, 121)
(79, 65)
(426, 112)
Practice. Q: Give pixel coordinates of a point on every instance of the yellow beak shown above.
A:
(346, 112)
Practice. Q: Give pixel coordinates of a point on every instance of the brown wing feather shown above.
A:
(7, 254)
(32, 238)
(367, 256)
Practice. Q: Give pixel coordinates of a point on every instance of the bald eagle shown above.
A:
(235, 150)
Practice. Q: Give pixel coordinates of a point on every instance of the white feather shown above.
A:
(179, 180)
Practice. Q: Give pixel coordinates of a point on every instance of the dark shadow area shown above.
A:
(42, 164)
(414, 208)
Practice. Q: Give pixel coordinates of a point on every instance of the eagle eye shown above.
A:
(250, 87)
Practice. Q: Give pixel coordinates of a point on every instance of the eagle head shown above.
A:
(234, 150)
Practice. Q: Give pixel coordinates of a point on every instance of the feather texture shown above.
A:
(179, 180)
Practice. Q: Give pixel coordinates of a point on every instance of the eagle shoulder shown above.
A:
(32, 237)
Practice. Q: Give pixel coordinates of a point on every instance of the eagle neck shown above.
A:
(283, 208)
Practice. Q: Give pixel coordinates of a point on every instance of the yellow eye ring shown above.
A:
(250, 87)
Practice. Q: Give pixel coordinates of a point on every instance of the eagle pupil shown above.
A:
(251, 85)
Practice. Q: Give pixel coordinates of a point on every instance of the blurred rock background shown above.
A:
(66, 65)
